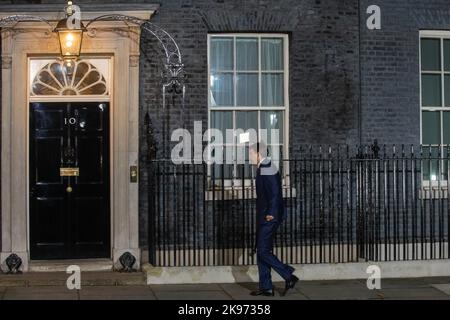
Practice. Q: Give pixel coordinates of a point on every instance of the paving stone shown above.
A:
(132, 281)
(42, 278)
(242, 292)
(99, 278)
(336, 292)
(40, 293)
(192, 295)
(414, 293)
(56, 296)
(401, 283)
(420, 288)
(418, 298)
(237, 288)
(12, 282)
(437, 280)
(41, 290)
(445, 288)
(330, 283)
(47, 282)
(45, 275)
(186, 287)
(97, 282)
(118, 297)
(116, 293)
(411, 282)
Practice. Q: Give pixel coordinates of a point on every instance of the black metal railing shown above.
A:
(343, 205)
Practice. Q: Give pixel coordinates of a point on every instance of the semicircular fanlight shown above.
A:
(54, 80)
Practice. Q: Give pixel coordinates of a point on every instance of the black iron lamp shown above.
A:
(70, 35)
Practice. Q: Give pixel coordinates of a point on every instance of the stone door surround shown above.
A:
(112, 39)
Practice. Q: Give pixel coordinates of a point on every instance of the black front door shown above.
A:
(69, 180)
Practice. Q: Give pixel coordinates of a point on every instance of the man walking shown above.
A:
(270, 213)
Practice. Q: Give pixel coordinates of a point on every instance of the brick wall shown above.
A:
(390, 68)
(324, 69)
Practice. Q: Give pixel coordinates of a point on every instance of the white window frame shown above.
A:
(441, 35)
(284, 109)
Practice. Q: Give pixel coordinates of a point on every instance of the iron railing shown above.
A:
(343, 205)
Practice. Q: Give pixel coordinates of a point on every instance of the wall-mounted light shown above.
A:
(70, 34)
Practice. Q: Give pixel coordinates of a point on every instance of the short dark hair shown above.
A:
(261, 148)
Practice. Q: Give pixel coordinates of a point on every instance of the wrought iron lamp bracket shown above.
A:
(173, 75)
(16, 18)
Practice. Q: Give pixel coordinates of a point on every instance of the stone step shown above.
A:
(94, 278)
(61, 265)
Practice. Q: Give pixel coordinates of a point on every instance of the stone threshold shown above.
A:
(306, 272)
(61, 265)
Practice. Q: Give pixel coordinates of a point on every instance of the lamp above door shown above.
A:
(70, 34)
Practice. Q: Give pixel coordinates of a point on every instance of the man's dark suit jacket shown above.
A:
(269, 193)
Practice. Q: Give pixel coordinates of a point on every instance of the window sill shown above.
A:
(434, 190)
(242, 193)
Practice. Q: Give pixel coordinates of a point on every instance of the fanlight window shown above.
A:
(55, 80)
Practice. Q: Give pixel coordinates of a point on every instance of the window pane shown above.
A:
(431, 90)
(431, 54)
(221, 55)
(430, 164)
(446, 127)
(272, 90)
(272, 54)
(431, 127)
(247, 89)
(222, 92)
(247, 120)
(222, 120)
(272, 120)
(247, 54)
(244, 168)
(447, 55)
(447, 90)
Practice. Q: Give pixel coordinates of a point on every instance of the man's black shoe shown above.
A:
(290, 284)
(266, 293)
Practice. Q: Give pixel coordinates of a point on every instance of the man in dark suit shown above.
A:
(270, 213)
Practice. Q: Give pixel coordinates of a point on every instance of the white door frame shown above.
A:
(111, 38)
